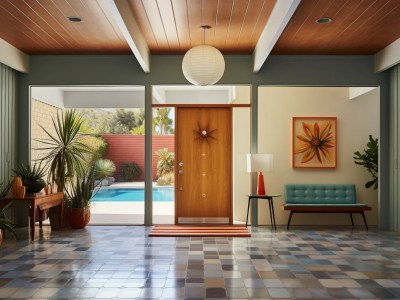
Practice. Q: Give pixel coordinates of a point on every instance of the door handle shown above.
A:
(180, 173)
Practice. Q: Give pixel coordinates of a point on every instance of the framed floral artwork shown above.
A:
(314, 142)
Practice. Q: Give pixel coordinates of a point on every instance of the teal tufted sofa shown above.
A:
(323, 198)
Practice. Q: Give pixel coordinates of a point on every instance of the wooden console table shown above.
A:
(40, 202)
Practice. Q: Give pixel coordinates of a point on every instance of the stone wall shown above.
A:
(41, 115)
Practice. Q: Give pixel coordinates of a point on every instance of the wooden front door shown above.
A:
(203, 165)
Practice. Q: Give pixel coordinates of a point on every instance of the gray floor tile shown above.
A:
(122, 262)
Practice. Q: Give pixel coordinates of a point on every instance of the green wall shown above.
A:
(278, 71)
(394, 149)
(8, 129)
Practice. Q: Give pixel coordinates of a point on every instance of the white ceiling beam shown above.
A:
(129, 27)
(13, 57)
(277, 21)
(388, 57)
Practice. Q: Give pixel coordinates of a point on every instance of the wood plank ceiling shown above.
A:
(174, 26)
(41, 27)
(357, 27)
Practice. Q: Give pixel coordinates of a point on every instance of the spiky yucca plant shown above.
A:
(166, 162)
(64, 149)
(82, 189)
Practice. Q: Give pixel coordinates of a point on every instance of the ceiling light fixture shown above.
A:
(74, 19)
(203, 65)
(324, 20)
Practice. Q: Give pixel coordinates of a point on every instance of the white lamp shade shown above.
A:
(259, 162)
(203, 65)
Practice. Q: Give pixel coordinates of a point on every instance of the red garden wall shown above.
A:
(130, 148)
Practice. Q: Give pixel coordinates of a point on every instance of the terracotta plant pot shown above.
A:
(78, 217)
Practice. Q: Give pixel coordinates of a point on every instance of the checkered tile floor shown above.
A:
(121, 262)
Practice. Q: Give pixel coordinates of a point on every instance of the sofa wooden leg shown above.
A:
(351, 218)
(290, 218)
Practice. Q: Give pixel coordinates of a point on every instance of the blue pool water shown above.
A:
(133, 195)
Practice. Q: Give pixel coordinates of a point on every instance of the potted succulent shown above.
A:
(32, 177)
(79, 197)
(5, 224)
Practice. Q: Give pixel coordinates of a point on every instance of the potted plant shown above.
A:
(369, 159)
(63, 152)
(78, 199)
(32, 177)
(5, 224)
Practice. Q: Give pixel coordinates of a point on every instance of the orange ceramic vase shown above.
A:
(21, 192)
(16, 184)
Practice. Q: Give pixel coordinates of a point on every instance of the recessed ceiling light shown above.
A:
(323, 20)
(74, 19)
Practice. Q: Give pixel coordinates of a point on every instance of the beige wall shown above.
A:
(241, 146)
(41, 114)
(242, 94)
(356, 119)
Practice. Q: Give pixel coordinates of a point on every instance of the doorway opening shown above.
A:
(206, 189)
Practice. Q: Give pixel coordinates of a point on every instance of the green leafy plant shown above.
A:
(369, 159)
(165, 162)
(80, 192)
(32, 177)
(98, 147)
(5, 224)
(130, 171)
(64, 149)
(104, 168)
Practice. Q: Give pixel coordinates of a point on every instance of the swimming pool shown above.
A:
(165, 194)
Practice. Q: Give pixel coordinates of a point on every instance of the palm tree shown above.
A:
(162, 121)
(64, 150)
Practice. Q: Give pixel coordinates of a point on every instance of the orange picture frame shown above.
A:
(314, 142)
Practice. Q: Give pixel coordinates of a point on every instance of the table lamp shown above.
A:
(260, 163)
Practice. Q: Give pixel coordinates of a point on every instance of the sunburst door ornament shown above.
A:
(204, 133)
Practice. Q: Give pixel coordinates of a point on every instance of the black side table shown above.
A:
(270, 204)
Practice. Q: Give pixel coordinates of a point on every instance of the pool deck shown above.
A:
(116, 213)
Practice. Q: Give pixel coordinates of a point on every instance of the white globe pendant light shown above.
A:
(203, 65)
